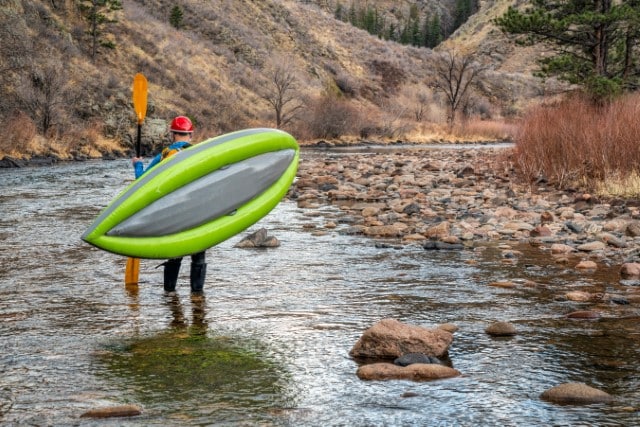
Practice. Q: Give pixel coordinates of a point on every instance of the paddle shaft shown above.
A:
(140, 106)
(138, 139)
(132, 269)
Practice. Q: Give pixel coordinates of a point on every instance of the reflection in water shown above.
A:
(198, 312)
(188, 369)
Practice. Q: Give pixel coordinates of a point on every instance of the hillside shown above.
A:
(219, 68)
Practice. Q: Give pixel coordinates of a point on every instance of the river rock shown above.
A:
(586, 265)
(438, 231)
(540, 231)
(394, 230)
(501, 329)
(10, 162)
(546, 217)
(630, 269)
(113, 412)
(259, 239)
(449, 327)
(592, 246)
(559, 248)
(578, 296)
(411, 358)
(434, 245)
(633, 229)
(505, 284)
(583, 314)
(389, 339)
(576, 393)
(414, 372)
(613, 240)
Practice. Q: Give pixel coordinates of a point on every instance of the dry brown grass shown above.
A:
(483, 130)
(575, 142)
(469, 131)
(619, 185)
(77, 142)
(22, 131)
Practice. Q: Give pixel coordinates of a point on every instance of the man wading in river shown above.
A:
(181, 130)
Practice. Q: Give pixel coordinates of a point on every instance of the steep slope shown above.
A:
(219, 65)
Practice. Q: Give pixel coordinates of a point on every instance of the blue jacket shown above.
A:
(139, 166)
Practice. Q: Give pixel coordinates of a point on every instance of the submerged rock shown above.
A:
(501, 329)
(583, 314)
(113, 412)
(436, 245)
(414, 372)
(575, 393)
(411, 358)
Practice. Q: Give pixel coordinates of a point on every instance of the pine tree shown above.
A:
(175, 18)
(464, 9)
(99, 13)
(595, 41)
(339, 12)
(432, 31)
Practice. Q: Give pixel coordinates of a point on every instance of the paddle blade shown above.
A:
(132, 271)
(140, 96)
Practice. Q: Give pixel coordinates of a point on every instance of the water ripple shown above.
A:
(74, 337)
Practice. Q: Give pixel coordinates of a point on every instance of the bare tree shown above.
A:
(455, 74)
(44, 94)
(283, 94)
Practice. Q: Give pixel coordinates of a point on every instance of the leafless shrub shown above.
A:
(21, 128)
(392, 123)
(44, 94)
(329, 117)
(391, 76)
(418, 100)
(576, 141)
(347, 85)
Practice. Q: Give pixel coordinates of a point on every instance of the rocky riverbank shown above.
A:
(469, 200)
(465, 198)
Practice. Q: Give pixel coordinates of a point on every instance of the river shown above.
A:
(269, 343)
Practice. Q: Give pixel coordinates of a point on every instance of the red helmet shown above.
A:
(181, 124)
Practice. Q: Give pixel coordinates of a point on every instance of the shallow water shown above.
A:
(269, 343)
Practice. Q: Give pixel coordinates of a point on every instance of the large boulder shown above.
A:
(389, 339)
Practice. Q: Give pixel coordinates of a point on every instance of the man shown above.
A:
(181, 130)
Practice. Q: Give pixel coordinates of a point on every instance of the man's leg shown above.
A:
(198, 271)
(171, 271)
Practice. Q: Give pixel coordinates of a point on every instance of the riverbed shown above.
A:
(269, 343)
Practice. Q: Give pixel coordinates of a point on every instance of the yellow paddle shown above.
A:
(132, 269)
